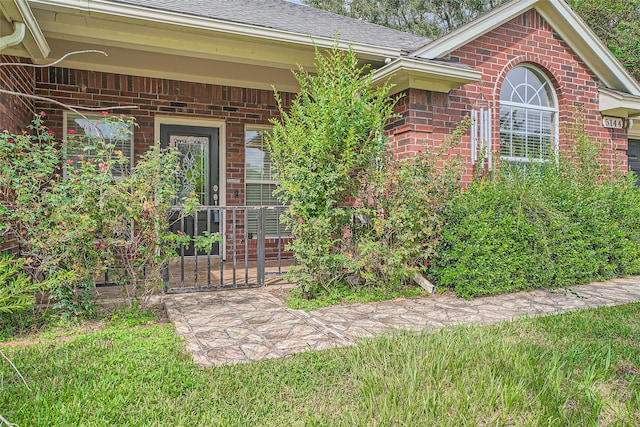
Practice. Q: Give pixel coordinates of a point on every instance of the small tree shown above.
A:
(327, 150)
(359, 216)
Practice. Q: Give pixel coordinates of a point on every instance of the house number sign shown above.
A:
(613, 122)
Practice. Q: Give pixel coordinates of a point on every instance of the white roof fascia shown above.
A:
(564, 21)
(211, 24)
(472, 30)
(423, 75)
(35, 44)
(587, 45)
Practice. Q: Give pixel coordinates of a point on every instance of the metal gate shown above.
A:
(252, 252)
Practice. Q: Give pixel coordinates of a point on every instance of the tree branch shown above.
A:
(73, 108)
(16, 369)
(77, 52)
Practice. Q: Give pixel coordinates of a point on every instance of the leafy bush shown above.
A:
(88, 220)
(541, 225)
(328, 148)
(359, 217)
(402, 238)
(16, 289)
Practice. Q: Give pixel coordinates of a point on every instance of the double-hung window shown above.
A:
(260, 182)
(116, 134)
(528, 116)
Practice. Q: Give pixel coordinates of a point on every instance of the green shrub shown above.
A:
(360, 217)
(98, 216)
(402, 237)
(541, 225)
(329, 147)
(16, 289)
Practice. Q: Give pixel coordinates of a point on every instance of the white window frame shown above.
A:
(263, 128)
(553, 99)
(255, 181)
(69, 115)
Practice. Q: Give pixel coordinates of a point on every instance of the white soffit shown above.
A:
(614, 103)
(175, 67)
(405, 73)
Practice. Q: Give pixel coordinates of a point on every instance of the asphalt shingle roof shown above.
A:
(291, 17)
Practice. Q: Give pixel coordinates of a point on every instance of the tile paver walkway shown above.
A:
(235, 326)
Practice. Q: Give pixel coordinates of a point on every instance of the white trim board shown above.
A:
(573, 30)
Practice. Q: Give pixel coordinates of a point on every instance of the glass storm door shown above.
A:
(199, 173)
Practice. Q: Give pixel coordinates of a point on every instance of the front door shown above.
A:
(199, 174)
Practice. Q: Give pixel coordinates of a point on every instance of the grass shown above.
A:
(573, 369)
(343, 294)
(36, 323)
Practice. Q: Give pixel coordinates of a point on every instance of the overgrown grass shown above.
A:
(46, 323)
(574, 369)
(30, 321)
(343, 294)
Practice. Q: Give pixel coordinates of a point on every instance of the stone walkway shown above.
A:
(235, 326)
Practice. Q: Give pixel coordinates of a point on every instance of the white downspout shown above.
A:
(14, 38)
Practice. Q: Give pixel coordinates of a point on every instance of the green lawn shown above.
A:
(574, 369)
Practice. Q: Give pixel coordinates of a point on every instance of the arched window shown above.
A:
(528, 116)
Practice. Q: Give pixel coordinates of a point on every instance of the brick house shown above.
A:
(202, 72)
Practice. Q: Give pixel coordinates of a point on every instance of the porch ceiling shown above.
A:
(171, 51)
(173, 66)
(165, 52)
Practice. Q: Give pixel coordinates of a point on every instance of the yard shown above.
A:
(555, 223)
(580, 368)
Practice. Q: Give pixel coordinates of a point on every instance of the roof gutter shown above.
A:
(14, 38)
(211, 24)
(34, 28)
(27, 32)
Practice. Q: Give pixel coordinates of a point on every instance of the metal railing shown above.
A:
(252, 251)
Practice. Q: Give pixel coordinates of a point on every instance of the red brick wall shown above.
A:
(425, 116)
(236, 106)
(15, 112)
(525, 39)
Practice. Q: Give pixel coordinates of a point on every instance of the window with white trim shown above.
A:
(528, 116)
(260, 182)
(117, 135)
